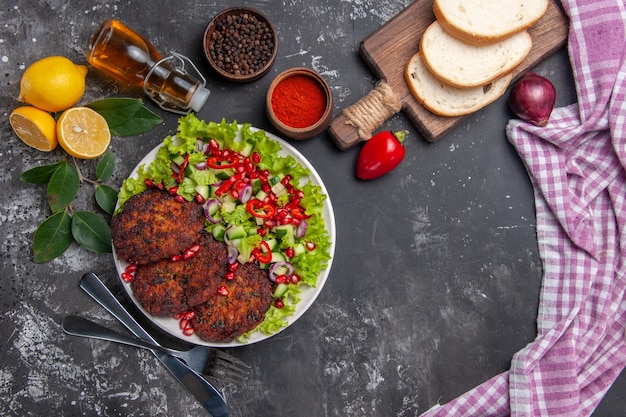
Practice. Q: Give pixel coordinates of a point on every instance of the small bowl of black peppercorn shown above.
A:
(240, 44)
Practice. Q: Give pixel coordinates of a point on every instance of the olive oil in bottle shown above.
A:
(130, 59)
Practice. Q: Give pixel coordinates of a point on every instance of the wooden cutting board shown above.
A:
(388, 49)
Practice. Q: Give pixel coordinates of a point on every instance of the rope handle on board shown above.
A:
(357, 122)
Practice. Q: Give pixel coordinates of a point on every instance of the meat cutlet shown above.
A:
(224, 317)
(167, 287)
(153, 226)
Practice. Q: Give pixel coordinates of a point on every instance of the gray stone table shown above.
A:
(436, 277)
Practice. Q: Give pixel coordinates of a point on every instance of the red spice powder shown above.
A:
(298, 101)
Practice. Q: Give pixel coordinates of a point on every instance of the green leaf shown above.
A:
(40, 174)
(141, 122)
(116, 111)
(106, 197)
(105, 167)
(63, 187)
(52, 237)
(91, 231)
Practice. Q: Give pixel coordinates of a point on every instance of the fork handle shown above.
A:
(79, 326)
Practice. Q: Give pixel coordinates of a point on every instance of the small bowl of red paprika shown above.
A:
(299, 103)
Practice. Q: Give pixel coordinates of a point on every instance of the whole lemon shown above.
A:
(53, 83)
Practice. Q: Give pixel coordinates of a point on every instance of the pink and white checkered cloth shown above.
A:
(577, 167)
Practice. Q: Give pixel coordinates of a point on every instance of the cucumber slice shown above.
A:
(236, 232)
(218, 232)
(278, 257)
(281, 290)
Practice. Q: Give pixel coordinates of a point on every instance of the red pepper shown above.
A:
(379, 155)
(263, 257)
(298, 213)
(216, 162)
(260, 209)
(225, 187)
(179, 176)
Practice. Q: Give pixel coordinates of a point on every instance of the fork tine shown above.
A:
(229, 367)
(225, 367)
(227, 374)
(223, 355)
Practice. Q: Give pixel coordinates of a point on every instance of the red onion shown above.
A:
(212, 210)
(272, 273)
(301, 229)
(233, 253)
(532, 99)
(245, 193)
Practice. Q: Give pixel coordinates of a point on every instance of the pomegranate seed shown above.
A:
(195, 248)
(176, 258)
(295, 278)
(310, 245)
(278, 303)
(290, 252)
(200, 199)
(233, 267)
(183, 323)
(188, 331)
(261, 231)
(131, 268)
(160, 186)
(188, 254)
(127, 277)
(172, 191)
(179, 198)
(149, 183)
(223, 290)
(256, 157)
(229, 276)
(281, 279)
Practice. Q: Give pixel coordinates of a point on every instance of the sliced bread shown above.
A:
(487, 21)
(445, 100)
(463, 65)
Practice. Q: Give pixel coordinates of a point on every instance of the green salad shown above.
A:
(260, 203)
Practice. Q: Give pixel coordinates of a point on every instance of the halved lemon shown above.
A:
(83, 133)
(36, 128)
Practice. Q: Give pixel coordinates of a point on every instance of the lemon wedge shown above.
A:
(34, 127)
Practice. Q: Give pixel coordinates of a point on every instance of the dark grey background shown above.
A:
(436, 278)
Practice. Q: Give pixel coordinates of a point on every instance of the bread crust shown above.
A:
(445, 100)
(481, 35)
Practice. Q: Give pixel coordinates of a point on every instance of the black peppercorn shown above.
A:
(241, 44)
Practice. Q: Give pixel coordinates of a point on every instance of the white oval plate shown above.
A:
(308, 294)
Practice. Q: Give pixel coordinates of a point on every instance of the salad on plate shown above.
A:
(261, 198)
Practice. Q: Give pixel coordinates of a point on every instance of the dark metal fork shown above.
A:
(203, 359)
(93, 286)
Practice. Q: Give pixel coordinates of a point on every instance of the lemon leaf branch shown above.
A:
(66, 225)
